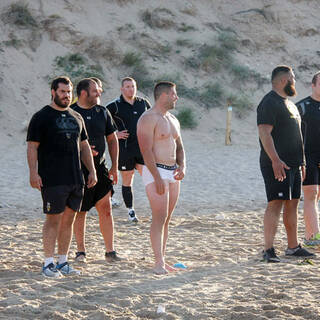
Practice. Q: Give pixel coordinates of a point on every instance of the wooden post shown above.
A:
(228, 129)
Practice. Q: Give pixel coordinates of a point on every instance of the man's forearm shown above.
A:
(86, 157)
(32, 156)
(268, 145)
(113, 148)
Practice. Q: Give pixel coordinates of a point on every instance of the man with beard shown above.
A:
(126, 112)
(56, 136)
(100, 129)
(309, 109)
(163, 153)
(281, 161)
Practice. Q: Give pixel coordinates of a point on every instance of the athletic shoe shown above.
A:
(51, 271)
(112, 256)
(115, 203)
(270, 255)
(132, 216)
(299, 252)
(66, 269)
(80, 257)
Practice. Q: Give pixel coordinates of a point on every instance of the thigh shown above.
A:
(295, 183)
(75, 197)
(312, 175)
(127, 177)
(174, 190)
(126, 164)
(159, 203)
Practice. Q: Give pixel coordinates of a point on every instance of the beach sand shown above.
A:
(216, 231)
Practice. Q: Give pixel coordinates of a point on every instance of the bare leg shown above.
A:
(103, 207)
(271, 220)
(174, 190)
(127, 178)
(310, 210)
(79, 229)
(290, 218)
(50, 233)
(65, 231)
(159, 206)
(139, 168)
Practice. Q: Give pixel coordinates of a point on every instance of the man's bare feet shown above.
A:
(159, 270)
(170, 269)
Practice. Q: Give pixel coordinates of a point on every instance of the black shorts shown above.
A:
(94, 194)
(128, 164)
(288, 189)
(57, 198)
(312, 173)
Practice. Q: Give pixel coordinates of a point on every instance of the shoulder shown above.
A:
(304, 101)
(112, 102)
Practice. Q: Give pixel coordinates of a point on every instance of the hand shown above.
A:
(303, 172)
(160, 186)
(113, 175)
(94, 152)
(35, 181)
(279, 167)
(122, 134)
(179, 173)
(92, 179)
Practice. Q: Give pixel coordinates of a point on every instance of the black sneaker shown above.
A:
(112, 256)
(270, 255)
(132, 216)
(299, 252)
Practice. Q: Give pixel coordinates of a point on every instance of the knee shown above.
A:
(311, 195)
(104, 209)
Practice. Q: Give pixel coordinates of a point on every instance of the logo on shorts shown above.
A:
(280, 194)
(123, 167)
(89, 117)
(48, 206)
(68, 135)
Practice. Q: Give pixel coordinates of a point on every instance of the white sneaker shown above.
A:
(80, 257)
(115, 203)
(66, 269)
(51, 271)
(132, 216)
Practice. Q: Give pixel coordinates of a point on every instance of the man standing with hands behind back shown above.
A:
(281, 161)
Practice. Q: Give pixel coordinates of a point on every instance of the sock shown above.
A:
(127, 196)
(62, 258)
(47, 261)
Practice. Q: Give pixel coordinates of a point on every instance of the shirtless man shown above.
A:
(163, 153)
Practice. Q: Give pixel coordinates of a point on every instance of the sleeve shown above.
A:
(83, 133)
(34, 129)
(267, 112)
(110, 125)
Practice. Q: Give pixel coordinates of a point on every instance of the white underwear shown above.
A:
(166, 173)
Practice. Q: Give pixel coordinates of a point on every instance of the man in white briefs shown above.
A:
(163, 153)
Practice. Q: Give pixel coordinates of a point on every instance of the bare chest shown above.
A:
(166, 128)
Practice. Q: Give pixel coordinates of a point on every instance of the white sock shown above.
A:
(130, 209)
(47, 261)
(62, 258)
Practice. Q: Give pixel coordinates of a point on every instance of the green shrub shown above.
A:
(228, 40)
(245, 74)
(213, 95)
(185, 27)
(132, 59)
(241, 103)
(187, 118)
(19, 14)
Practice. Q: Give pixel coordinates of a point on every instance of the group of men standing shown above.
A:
(66, 158)
(290, 157)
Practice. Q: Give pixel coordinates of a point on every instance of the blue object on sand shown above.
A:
(180, 265)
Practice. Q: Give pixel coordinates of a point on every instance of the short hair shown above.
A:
(315, 78)
(62, 79)
(279, 70)
(84, 84)
(127, 79)
(162, 86)
(97, 80)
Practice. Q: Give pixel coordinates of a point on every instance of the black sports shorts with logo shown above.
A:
(288, 189)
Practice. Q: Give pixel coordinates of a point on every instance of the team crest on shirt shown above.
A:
(293, 110)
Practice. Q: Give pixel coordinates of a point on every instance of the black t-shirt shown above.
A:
(99, 125)
(310, 116)
(126, 117)
(284, 116)
(59, 134)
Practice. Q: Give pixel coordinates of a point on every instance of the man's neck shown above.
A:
(315, 97)
(280, 92)
(129, 100)
(56, 107)
(160, 109)
(82, 104)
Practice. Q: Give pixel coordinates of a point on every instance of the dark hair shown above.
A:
(280, 70)
(97, 80)
(63, 79)
(315, 77)
(84, 84)
(162, 86)
(127, 79)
